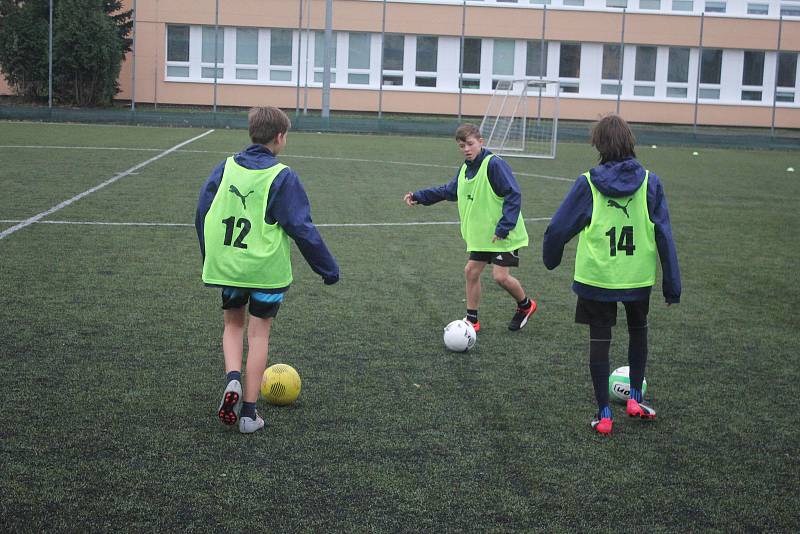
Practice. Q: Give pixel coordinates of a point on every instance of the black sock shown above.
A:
(472, 316)
(599, 347)
(233, 375)
(524, 303)
(637, 354)
(249, 410)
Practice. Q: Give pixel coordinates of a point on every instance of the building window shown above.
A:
(393, 47)
(358, 59)
(319, 56)
(471, 64)
(427, 61)
(177, 43)
(710, 73)
(645, 71)
(711, 66)
(617, 3)
(753, 75)
(502, 60)
(178, 51)
(610, 73)
(790, 9)
(787, 76)
(280, 55)
(650, 4)
(569, 67)
(715, 7)
(536, 59)
(682, 5)
(572, 3)
(246, 53)
(757, 9)
(213, 52)
(611, 61)
(787, 69)
(678, 73)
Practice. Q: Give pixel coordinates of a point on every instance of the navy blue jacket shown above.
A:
(503, 184)
(287, 205)
(614, 179)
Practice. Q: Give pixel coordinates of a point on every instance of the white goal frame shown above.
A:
(521, 119)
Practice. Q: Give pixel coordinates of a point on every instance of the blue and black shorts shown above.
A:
(262, 304)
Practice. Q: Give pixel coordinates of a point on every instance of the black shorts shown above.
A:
(262, 305)
(604, 314)
(503, 259)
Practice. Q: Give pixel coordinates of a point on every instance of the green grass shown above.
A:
(111, 367)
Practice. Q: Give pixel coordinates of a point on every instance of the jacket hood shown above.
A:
(618, 178)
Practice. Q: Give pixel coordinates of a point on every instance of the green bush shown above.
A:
(90, 38)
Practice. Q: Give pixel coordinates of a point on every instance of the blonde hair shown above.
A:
(267, 122)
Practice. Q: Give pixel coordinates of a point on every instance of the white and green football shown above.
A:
(619, 384)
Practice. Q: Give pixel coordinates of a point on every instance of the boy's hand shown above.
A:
(496, 237)
(408, 198)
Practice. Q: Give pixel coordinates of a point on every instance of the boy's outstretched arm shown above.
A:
(432, 195)
(574, 214)
(207, 194)
(667, 253)
(289, 206)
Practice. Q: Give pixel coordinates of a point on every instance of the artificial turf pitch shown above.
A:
(111, 366)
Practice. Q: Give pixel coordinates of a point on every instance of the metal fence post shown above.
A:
(380, 68)
(326, 69)
(133, 62)
(775, 85)
(699, 74)
(50, 61)
(299, 48)
(461, 56)
(621, 61)
(216, 59)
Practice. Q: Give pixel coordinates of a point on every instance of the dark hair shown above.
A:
(467, 130)
(267, 122)
(613, 138)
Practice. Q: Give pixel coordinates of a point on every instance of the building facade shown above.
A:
(716, 62)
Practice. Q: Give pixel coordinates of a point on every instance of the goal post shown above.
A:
(521, 118)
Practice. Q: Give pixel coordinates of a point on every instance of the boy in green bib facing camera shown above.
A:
(619, 213)
(489, 206)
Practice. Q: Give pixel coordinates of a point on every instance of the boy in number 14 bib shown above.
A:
(619, 211)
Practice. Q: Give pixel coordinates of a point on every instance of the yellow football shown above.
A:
(281, 384)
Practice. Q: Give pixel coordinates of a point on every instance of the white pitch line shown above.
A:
(327, 225)
(35, 218)
(298, 156)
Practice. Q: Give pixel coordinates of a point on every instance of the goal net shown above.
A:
(522, 118)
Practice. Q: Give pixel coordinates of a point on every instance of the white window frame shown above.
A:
(349, 71)
(247, 66)
(472, 76)
(411, 41)
(337, 38)
(291, 68)
(177, 64)
(220, 64)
